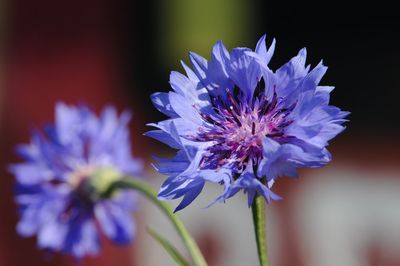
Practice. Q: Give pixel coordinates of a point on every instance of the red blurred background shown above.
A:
(56, 51)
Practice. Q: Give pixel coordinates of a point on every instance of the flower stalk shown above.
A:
(149, 193)
(258, 209)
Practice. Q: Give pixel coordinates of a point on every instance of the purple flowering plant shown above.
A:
(233, 121)
(237, 123)
(66, 169)
(77, 182)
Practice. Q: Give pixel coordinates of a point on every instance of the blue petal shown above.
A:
(314, 121)
(191, 75)
(312, 79)
(82, 238)
(289, 76)
(115, 222)
(161, 102)
(109, 123)
(178, 129)
(323, 92)
(218, 81)
(175, 165)
(28, 152)
(244, 70)
(250, 184)
(199, 65)
(184, 108)
(283, 160)
(31, 173)
(163, 137)
(261, 50)
(190, 196)
(52, 235)
(195, 97)
(177, 186)
(295, 68)
(168, 127)
(217, 176)
(71, 123)
(270, 79)
(37, 204)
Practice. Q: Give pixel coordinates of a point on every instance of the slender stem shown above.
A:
(130, 183)
(258, 209)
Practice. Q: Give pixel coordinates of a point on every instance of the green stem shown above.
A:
(258, 209)
(130, 183)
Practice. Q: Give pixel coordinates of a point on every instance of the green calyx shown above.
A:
(98, 184)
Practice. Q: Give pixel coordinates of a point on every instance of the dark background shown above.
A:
(358, 40)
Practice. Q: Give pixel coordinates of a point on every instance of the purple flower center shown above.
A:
(88, 184)
(238, 127)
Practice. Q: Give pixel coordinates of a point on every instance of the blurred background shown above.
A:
(118, 52)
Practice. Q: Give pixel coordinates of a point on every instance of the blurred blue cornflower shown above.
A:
(66, 170)
(237, 123)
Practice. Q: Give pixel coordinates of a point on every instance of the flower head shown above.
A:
(65, 172)
(237, 123)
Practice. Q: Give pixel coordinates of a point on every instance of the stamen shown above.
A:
(238, 127)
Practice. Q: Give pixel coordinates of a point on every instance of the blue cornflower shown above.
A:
(66, 169)
(237, 123)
